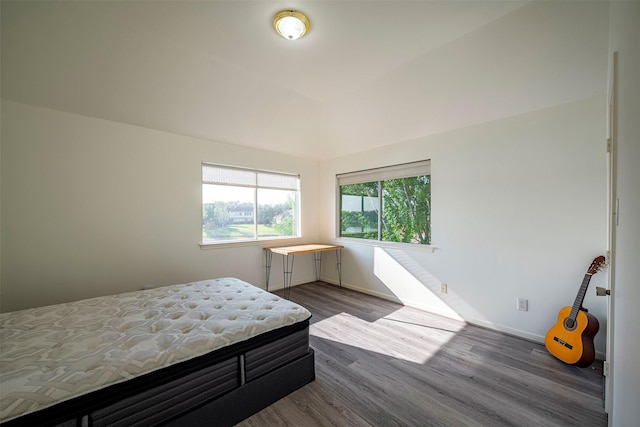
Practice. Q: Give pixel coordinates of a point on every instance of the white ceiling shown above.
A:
(369, 73)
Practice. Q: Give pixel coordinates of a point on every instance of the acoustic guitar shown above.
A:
(571, 338)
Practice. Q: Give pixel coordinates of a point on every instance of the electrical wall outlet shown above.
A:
(523, 304)
(443, 288)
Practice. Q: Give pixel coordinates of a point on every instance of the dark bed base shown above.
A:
(218, 389)
(252, 397)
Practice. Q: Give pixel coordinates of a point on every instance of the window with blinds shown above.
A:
(241, 204)
(390, 204)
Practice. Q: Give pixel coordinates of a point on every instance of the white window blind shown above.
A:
(227, 175)
(405, 170)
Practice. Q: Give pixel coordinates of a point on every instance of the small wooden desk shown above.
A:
(288, 256)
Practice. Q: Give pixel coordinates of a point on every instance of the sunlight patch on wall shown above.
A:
(410, 282)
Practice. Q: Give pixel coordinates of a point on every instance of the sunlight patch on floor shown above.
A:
(427, 337)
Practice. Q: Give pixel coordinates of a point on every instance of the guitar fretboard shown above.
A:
(577, 304)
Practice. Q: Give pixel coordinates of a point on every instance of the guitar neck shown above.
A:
(577, 304)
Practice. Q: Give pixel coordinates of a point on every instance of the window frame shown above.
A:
(256, 239)
(380, 174)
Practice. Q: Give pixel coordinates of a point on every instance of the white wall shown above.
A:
(93, 207)
(542, 54)
(519, 210)
(625, 39)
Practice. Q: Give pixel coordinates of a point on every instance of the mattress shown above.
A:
(59, 353)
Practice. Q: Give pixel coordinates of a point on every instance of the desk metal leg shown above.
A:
(269, 256)
(287, 269)
(339, 265)
(317, 263)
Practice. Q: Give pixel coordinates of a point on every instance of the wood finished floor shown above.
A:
(381, 364)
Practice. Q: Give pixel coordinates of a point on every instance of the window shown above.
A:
(244, 204)
(391, 204)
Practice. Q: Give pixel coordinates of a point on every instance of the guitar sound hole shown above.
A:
(569, 324)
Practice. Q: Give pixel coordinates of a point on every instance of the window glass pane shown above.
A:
(404, 214)
(240, 204)
(359, 206)
(277, 213)
(227, 213)
(406, 210)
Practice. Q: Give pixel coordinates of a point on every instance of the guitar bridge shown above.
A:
(564, 343)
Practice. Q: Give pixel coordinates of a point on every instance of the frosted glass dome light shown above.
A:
(291, 24)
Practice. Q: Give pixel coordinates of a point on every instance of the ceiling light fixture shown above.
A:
(291, 24)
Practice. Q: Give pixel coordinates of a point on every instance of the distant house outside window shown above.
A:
(390, 204)
(240, 204)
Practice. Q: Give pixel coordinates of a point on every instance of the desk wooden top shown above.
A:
(303, 249)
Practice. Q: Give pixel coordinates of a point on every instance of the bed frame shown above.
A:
(220, 388)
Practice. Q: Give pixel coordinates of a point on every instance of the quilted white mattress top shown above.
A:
(55, 353)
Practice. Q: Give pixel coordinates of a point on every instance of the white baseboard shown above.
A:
(478, 322)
